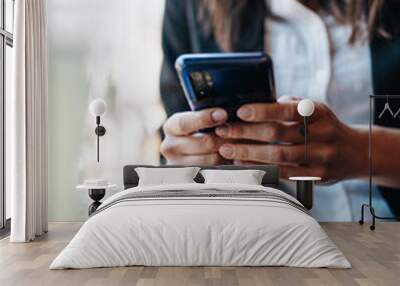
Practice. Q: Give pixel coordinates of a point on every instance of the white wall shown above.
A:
(107, 49)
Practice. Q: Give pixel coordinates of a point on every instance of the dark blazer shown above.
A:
(182, 34)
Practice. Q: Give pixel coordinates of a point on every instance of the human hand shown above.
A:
(336, 151)
(185, 145)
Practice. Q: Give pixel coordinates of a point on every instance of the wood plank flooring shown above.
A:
(375, 257)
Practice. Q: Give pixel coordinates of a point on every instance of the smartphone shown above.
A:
(226, 80)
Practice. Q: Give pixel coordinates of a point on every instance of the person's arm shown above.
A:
(337, 151)
(175, 41)
(182, 143)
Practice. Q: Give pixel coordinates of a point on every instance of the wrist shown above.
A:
(358, 156)
(384, 148)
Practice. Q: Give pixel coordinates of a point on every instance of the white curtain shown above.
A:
(28, 122)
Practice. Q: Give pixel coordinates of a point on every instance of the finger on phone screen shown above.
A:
(184, 123)
(261, 112)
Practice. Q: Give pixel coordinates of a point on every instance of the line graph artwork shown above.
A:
(396, 114)
(387, 110)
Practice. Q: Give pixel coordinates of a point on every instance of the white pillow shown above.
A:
(163, 176)
(248, 177)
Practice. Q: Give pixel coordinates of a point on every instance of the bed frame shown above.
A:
(270, 179)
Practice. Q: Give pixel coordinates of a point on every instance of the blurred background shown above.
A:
(111, 52)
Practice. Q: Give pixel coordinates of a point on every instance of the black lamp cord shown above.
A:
(306, 139)
(98, 138)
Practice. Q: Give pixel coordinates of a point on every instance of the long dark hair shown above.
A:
(225, 18)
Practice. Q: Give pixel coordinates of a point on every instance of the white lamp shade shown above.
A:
(98, 107)
(305, 107)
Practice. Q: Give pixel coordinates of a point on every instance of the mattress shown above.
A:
(201, 225)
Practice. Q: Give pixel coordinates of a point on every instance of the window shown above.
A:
(6, 44)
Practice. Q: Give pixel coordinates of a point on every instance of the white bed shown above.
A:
(239, 229)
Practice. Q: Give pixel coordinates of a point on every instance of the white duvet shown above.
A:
(200, 231)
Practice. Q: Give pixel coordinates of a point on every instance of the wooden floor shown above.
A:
(375, 257)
